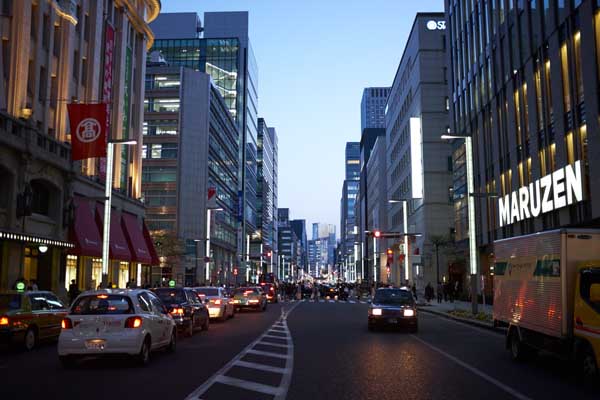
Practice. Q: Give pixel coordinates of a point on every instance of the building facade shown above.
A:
(190, 146)
(419, 161)
(52, 54)
(524, 85)
(350, 189)
(299, 227)
(266, 210)
(372, 107)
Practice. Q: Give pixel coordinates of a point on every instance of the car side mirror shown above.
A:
(595, 293)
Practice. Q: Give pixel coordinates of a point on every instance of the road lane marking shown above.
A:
(268, 354)
(352, 302)
(275, 337)
(261, 367)
(249, 385)
(279, 392)
(474, 370)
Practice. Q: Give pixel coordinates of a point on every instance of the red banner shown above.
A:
(88, 130)
(109, 49)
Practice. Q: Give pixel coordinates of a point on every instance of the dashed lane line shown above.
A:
(470, 368)
(279, 392)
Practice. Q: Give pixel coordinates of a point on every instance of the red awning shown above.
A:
(150, 245)
(84, 230)
(135, 239)
(118, 249)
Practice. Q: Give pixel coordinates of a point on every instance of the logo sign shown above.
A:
(88, 130)
(436, 25)
(171, 283)
(559, 189)
(212, 198)
(20, 286)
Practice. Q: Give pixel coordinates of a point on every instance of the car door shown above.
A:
(163, 325)
(149, 315)
(196, 307)
(39, 308)
(55, 314)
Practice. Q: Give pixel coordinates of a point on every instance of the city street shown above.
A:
(333, 356)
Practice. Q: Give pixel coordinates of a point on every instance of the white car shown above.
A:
(217, 301)
(107, 322)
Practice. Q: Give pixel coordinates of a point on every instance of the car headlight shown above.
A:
(376, 311)
(408, 312)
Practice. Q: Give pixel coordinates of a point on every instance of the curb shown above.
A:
(466, 321)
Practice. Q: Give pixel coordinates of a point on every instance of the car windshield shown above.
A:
(401, 297)
(102, 304)
(207, 291)
(170, 296)
(9, 302)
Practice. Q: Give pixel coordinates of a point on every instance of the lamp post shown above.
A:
(208, 226)
(110, 155)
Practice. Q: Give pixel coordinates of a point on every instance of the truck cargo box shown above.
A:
(534, 278)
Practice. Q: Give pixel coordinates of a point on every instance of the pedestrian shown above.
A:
(440, 289)
(414, 291)
(73, 291)
(428, 292)
(33, 285)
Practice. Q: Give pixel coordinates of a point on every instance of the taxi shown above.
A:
(28, 317)
(250, 297)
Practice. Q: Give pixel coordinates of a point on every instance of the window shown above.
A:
(145, 302)
(578, 70)
(56, 46)
(43, 84)
(46, 31)
(102, 304)
(163, 150)
(161, 105)
(71, 270)
(564, 61)
(76, 66)
(589, 287)
(159, 174)
(40, 203)
(86, 27)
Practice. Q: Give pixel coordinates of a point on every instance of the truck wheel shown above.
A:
(588, 365)
(519, 351)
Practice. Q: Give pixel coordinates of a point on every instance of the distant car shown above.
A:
(270, 291)
(28, 317)
(328, 291)
(250, 297)
(218, 302)
(185, 307)
(116, 321)
(393, 307)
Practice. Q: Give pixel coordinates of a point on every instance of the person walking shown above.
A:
(414, 291)
(440, 290)
(73, 291)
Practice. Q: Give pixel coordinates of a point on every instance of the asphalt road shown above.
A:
(304, 351)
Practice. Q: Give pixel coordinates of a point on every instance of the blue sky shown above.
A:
(314, 59)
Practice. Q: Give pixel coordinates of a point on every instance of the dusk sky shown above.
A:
(314, 59)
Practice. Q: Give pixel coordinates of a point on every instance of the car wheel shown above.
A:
(30, 339)
(519, 351)
(67, 362)
(143, 358)
(189, 331)
(588, 366)
(223, 317)
(173, 342)
(206, 324)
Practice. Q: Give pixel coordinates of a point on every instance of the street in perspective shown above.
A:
(172, 224)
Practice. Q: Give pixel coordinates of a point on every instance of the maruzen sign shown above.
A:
(436, 25)
(559, 189)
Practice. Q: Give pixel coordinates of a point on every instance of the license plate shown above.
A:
(95, 344)
(392, 320)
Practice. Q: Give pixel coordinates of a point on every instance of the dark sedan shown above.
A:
(185, 307)
(393, 308)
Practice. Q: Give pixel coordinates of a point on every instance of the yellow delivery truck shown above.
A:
(547, 293)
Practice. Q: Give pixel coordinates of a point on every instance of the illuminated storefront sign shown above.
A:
(559, 189)
(436, 25)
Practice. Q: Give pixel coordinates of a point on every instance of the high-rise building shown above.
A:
(288, 245)
(274, 234)
(190, 147)
(372, 107)
(350, 189)
(533, 119)
(266, 195)
(419, 165)
(51, 54)
(225, 53)
(299, 227)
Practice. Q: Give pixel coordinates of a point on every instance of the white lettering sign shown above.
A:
(436, 25)
(559, 189)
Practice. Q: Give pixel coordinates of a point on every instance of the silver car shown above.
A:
(217, 301)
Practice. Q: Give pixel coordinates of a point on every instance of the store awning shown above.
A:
(150, 245)
(118, 249)
(84, 230)
(135, 239)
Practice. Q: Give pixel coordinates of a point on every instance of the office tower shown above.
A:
(372, 107)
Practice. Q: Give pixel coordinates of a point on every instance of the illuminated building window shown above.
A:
(71, 270)
(564, 61)
(570, 148)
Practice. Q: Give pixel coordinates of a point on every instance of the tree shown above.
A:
(438, 241)
(169, 247)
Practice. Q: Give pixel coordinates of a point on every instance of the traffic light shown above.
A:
(269, 254)
(377, 234)
(235, 271)
(390, 256)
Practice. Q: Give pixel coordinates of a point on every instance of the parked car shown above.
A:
(26, 318)
(218, 302)
(394, 308)
(185, 307)
(112, 321)
(270, 291)
(250, 297)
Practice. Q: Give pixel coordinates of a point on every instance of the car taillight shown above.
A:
(3, 321)
(177, 311)
(66, 323)
(218, 302)
(133, 322)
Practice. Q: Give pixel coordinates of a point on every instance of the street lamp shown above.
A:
(110, 155)
(208, 224)
(404, 202)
